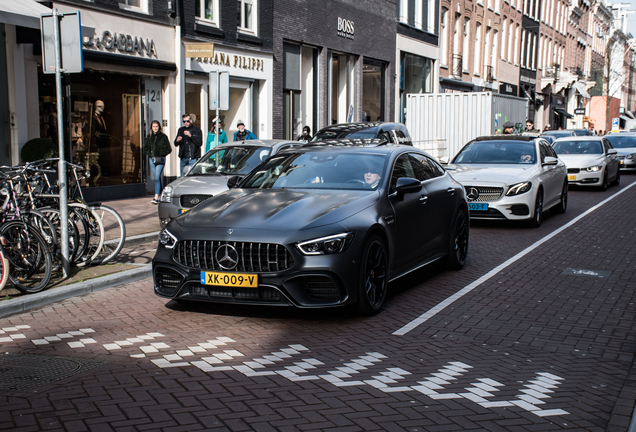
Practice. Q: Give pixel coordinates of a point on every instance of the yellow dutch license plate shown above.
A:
(182, 211)
(571, 177)
(241, 280)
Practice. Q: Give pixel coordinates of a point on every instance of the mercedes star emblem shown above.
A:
(230, 231)
(472, 194)
(194, 201)
(227, 257)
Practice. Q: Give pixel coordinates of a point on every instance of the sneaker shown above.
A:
(154, 201)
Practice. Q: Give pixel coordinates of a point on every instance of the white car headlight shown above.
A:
(631, 156)
(166, 194)
(326, 245)
(167, 239)
(519, 188)
(594, 168)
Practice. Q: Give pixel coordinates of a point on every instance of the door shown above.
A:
(552, 181)
(129, 154)
(153, 110)
(613, 163)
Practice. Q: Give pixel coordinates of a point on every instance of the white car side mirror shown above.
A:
(549, 160)
(611, 151)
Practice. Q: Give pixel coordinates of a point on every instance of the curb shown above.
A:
(141, 239)
(24, 303)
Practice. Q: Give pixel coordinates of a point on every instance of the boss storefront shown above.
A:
(250, 89)
(336, 68)
(129, 72)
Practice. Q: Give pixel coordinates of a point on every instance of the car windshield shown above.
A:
(230, 160)
(622, 141)
(497, 152)
(578, 147)
(319, 170)
(337, 134)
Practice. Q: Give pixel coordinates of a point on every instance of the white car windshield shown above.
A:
(319, 170)
(622, 141)
(578, 147)
(497, 152)
(230, 160)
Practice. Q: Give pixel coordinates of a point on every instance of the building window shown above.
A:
(430, 16)
(207, 10)
(477, 48)
(418, 14)
(443, 40)
(516, 55)
(416, 77)
(134, 5)
(404, 11)
(247, 15)
(493, 54)
(503, 39)
(465, 46)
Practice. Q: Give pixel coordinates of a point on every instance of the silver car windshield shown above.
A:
(497, 152)
(622, 141)
(319, 170)
(230, 160)
(578, 147)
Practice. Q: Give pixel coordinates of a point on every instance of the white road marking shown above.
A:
(468, 288)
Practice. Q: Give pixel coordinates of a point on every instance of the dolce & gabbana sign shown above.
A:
(345, 28)
(122, 42)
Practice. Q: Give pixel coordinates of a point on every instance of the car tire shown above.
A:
(536, 220)
(617, 180)
(458, 249)
(603, 187)
(562, 206)
(373, 281)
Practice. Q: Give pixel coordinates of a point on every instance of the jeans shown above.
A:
(156, 172)
(187, 162)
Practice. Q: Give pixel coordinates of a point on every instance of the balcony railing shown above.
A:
(457, 66)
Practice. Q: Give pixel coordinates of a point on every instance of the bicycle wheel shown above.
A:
(27, 252)
(45, 227)
(4, 268)
(114, 234)
(96, 233)
(53, 215)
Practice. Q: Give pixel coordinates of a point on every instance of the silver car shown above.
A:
(591, 161)
(625, 145)
(209, 176)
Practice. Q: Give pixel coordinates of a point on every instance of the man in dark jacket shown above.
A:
(189, 140)
(508, 128)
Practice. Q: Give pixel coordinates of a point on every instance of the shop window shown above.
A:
(134, 5)
(247, 15)
(207, 11)
(416, 76)
(300, 84)
(372, 91)
(342, 83)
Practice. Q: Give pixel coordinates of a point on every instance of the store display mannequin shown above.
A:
(101, 138)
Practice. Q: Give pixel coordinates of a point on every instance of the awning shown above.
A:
(25, 13)
(625, 118)
(562, 111)
(579, 87)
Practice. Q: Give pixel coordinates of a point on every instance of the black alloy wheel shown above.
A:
(459, 241)
(563, 204)
(535, 222)
(373, 277)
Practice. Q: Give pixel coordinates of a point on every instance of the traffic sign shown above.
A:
(615, 124)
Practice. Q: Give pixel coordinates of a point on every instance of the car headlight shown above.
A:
(594, 168)
(519, 188)
(326, 245)
(166, 194)
(167, 239)
(631, 156)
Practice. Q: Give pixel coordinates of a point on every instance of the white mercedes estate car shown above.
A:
(590, 161)
(511, 177)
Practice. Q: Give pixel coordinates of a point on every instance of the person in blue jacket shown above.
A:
(243, 134)
(211, 142)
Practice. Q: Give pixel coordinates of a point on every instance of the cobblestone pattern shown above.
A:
(529, 337)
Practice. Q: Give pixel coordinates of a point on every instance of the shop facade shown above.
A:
(339, 66)
(128, 81)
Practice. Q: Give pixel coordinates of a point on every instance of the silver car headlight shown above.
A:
(166, 194)
(167, 239)
(519, 188)
(594, 168)
(326, 245)
(631, 156)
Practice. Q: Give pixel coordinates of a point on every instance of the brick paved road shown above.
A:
(530, 349)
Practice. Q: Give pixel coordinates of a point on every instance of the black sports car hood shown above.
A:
(278, 209)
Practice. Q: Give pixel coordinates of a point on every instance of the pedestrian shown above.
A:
(157, 147)
(530, 126)
(306, 135)
(212, 140)
(243, 134)
(508, 127)
(189, 140)
(547, 127)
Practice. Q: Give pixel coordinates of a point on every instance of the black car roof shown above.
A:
(354, 127)
(366, 142)
(506, 138)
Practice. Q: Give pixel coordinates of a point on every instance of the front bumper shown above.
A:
(517, 207)
(627, 164)
(585, 178)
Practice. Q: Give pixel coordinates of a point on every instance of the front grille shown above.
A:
(573, 170)
(167, 280)
(319, 288)
(485, 193)
(260, 294)
(621, 158)
(252, 257)
(189, 201)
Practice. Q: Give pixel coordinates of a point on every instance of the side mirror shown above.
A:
(549, 160)
(233, 181)
(406, 185)
(611, 151)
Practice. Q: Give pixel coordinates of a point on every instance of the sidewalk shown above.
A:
(142, 226)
